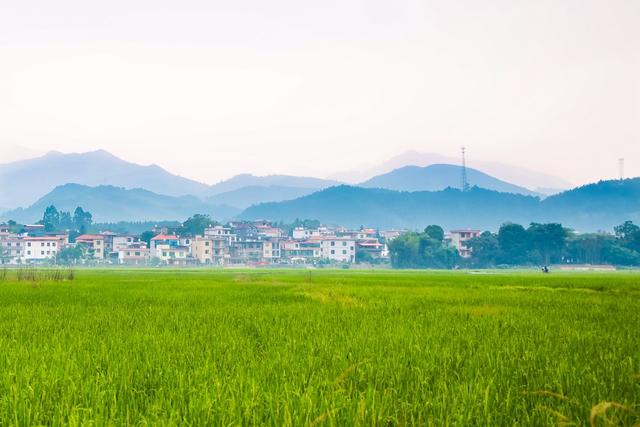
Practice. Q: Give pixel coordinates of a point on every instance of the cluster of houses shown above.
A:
(241, 243)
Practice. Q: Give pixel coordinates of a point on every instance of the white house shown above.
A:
(338, 249)
(38, 249)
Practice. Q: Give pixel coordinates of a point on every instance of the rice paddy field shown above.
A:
(295, 348)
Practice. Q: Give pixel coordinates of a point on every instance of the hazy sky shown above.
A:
(209, 89)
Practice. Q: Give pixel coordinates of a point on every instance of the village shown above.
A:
(245, 243)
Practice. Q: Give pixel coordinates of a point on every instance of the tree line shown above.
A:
(515, 245)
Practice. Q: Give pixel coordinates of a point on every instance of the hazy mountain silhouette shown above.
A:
(438, 177)
(593, 207)
(248, 180)
(112, 204)
(253, 194)
(23, 182)
(523, 177)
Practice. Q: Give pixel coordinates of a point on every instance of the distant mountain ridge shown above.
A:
(112, 204)
(248, 180)
(23, 182)
(594, 207)
(522, 177)
(438, 177)
(253, 194)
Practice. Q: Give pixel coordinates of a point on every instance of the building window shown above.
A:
(333, 243)
(344, 252)
(333, 252)
(344, 243)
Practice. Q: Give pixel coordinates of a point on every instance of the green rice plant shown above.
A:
(286, 347)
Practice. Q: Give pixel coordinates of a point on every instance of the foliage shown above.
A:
(421, 250)
(323, 348)
(551, 243)
(51, 219)
(485, 249)
(196, 224)
(435, 232)
(146, 237)
(82, 220)
(69, 256)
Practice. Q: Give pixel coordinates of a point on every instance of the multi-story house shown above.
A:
(247, 252)
(136, 253)
(220, 232)
(266, 231)
(171, 255)
(39, 249)
(372, 247)
(123, 241)
(170, 240)
(459, 238)
(301, 233)
(245, 230)
(271, 250)
(338, 249)
(11, 248)
(300, 251)
(209, 250)
(94, 245)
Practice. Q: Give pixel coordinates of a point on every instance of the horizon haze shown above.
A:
(209, 91)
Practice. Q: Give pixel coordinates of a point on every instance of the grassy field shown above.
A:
(320, 348)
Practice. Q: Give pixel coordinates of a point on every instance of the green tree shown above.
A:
(66, 220)
(51, 218)
(513, 243)
(548, 240)
(484, 249)
(82, 220)
(196, 224)
(435, 232)
(69, 256)
(419, 250)
(629, 234)
(146, 237)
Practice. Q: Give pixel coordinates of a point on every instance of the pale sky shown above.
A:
(209, 89)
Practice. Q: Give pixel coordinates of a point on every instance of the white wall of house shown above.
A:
(40, 248)
(340, 250)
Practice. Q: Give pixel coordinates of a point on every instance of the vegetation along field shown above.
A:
(304, 347)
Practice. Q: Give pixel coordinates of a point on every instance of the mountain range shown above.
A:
(405, 197)
(593, 207)
(112, 204)
(23, 182)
